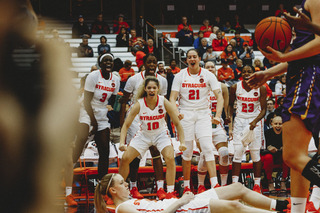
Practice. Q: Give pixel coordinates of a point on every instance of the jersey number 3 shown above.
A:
(247, 107)
(104, 97)
(194, 94)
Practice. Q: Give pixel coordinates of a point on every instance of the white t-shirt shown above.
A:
(248, 103)
(194, 89)
(152, 121)
(135, 81)
(102, 88)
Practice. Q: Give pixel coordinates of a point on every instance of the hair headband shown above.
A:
(104, 55)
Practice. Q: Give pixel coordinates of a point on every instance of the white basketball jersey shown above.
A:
(248, 103)
(213, 99)
(102, 88)
(135, 81)
(152, 121)
(194, 89)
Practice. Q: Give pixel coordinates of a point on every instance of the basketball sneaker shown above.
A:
(310, 208)
(256, 188)
(201, 189)
(186, 189)
(171, 195)
(70, 200)
(217, 185)
(135, 193)
(161, 194)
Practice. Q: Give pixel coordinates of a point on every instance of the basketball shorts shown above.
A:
(99, 114)
(240, 124)
(196, 124)
(303, 95)
(141, 142)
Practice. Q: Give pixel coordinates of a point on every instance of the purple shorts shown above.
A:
(303, 94)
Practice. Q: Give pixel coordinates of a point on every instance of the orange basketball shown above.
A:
(274, 32)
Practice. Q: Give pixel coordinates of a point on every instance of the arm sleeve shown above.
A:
(90, 83)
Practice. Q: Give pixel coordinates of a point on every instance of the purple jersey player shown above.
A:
(301, 115)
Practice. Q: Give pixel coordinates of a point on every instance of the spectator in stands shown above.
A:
(99, 26)
(273, 154)
(268, 63)
(228, 28)
(225, 73)
(125, 73)
(270, 107)
(184, 22)
(118, 64)
(56, 37)
(203, 47)
(80, 28)
(280, 11)
(84, 50)
(185, 37)
(136, 41)
(220, 43)
(229, 55)
(239, 43)
(119, 24)
(206, 28)
(238, 69)
(161, 70)
(142, 68)
(258, 66)
(278, 110)
(151, 48)
(197, 41)
(139, 56)
(103, 46)
(238, 25)
(209, 55)
(248, 55)
(122, 38)
(217, 22)
(280, 88)
(173, 66)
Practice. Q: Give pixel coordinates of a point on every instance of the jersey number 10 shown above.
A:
(153, 125)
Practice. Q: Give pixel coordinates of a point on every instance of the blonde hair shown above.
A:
(141, 92)
(101, 190)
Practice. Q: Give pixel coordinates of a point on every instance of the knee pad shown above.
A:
(255, 155)
(207, 148)
(202, 166)
(238, 153)
(187, 154)
(223, 156)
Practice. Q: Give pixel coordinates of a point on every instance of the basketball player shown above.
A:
(101, 87)
(301, 113)
(251, 109)
(192, 85)
(219, 200)
(151, 110)
(219, 137)
(131, 88)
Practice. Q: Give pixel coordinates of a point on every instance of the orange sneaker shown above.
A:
(161, 194)
(186, 189)
(310, 208)
(217, 185)
(135, 193)
(256, 188)
(70, 200)
(201, 189)
(171, 195)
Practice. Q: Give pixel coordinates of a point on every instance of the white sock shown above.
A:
(186, 183)
(160, 184)
(315, 196)
(235, 179)
(133, 184)
(257, 181)
(213, 181)
(298, 204)
(68, 190)
(201, 179)
(273, 205)
(224, 179)
(170, 188)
